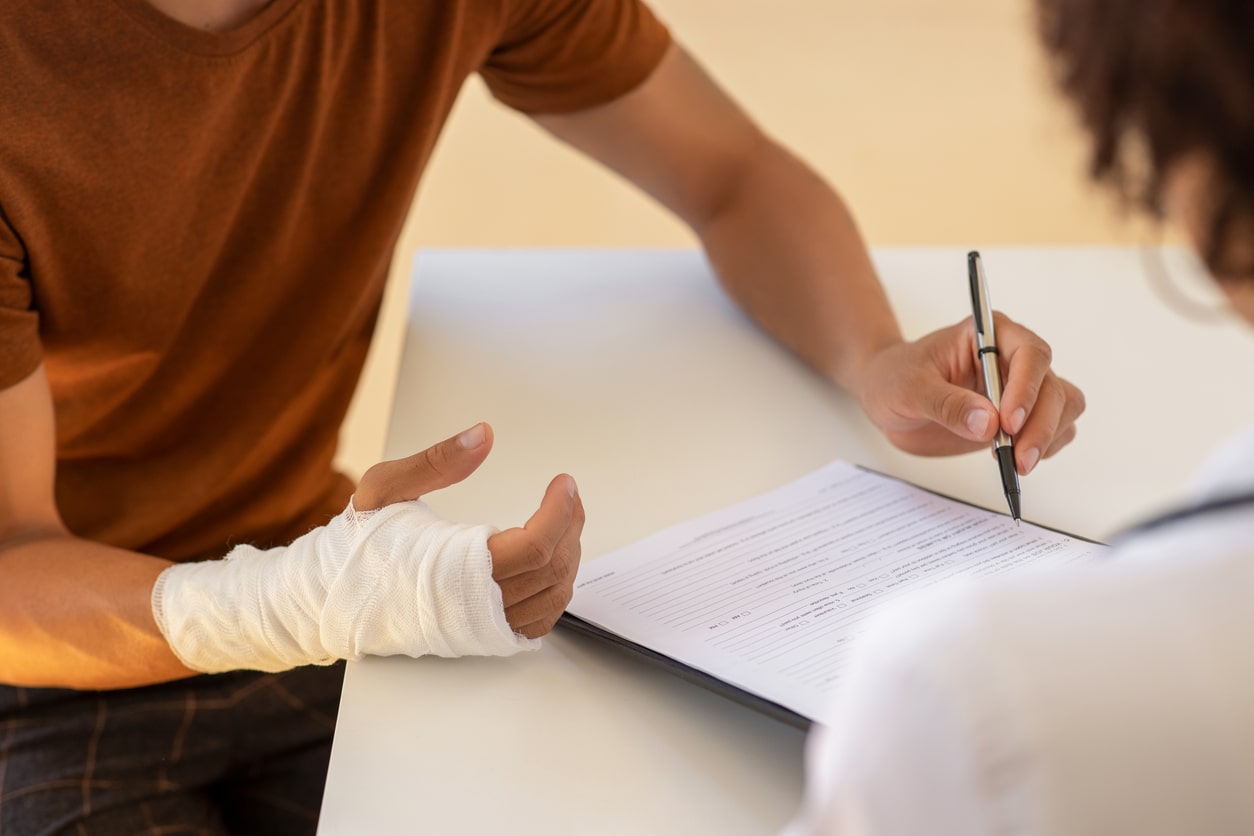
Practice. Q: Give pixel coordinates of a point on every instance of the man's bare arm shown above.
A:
(73, 613)
(78, 614)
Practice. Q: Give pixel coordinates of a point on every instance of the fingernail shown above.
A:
(977, 422)
(472, 438)
(1016, 420)
(1030, 458)
(570, 486)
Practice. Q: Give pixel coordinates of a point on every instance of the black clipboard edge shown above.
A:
(686, 672)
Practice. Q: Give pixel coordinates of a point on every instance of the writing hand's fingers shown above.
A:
(1073, 409)
(1041, 427)
(1051, 425)
(1027, 359)
(1060, 441)
(439, 466)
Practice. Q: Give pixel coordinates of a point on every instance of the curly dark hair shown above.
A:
(1156, 81)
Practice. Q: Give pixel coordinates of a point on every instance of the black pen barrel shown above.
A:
(1010, 479)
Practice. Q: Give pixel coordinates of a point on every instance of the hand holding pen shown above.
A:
(927, 395)
(1038, 411)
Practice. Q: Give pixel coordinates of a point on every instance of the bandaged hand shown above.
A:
(387, 576)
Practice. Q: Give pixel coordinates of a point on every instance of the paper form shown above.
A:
(770, 594)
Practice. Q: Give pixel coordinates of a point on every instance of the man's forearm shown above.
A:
(77, 614)
(787, 250)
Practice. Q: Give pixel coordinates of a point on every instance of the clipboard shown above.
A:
(735, 693)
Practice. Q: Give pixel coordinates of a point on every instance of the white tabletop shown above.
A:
(631, 371)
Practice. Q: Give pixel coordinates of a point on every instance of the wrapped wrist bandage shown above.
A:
(396, 580)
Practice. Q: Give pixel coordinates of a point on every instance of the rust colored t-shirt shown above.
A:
(195, 229)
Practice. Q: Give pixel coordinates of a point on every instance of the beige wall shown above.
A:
(934, 118)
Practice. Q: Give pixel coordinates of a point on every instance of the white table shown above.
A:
(631, 371)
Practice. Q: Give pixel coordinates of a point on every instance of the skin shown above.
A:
(77, 614)
(535, 564)
(1187, 192)
(210, 15)
(806, 276)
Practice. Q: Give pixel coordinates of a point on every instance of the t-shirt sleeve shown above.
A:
(20, 350)
(561, 56)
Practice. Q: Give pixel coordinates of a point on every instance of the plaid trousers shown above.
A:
(235, 753)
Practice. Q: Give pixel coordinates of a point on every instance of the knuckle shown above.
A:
(535, 555)
(1077, 399)
(436, 459)
(1024, 339)
(952, 406)
(549, 621)
(1031, 388)
(1058, 389)
(509, 592)
(1041, 351)
(555, 600)
(573, 554)
(571, 568)
(1061, 441)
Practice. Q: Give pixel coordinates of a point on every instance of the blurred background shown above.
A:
(935, 119)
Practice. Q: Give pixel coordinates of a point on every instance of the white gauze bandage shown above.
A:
(396, 580)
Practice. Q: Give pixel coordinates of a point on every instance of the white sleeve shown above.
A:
(918, 747)
(398, 580)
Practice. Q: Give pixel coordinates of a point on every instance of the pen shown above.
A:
(986, 342)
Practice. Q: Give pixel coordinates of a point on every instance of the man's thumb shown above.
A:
(439, 466)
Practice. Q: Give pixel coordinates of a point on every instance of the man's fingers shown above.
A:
(439, 466)
(560, 569)
(536, 615)
(556, 511)
(531, 547)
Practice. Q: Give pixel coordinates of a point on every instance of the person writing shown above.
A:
(199, 200)
(1110, 698)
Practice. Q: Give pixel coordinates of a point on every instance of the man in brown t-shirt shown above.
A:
(198, 203)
